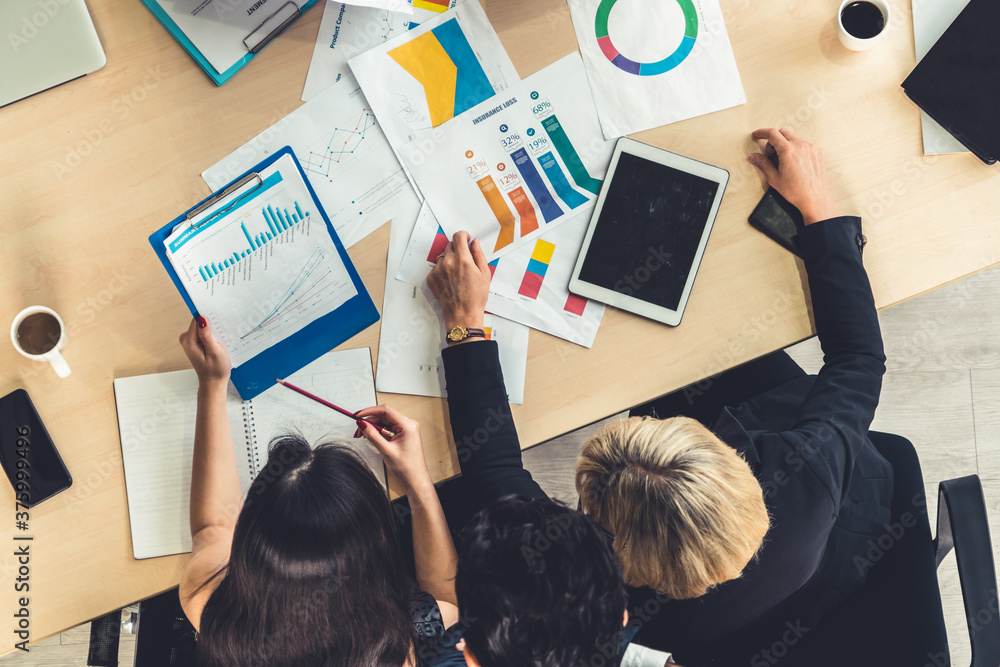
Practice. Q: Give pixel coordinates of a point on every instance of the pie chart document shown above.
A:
(654, 62)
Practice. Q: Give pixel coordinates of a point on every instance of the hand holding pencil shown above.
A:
(404, 454)
(386, 433)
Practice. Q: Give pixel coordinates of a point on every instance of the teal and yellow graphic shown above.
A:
(443, 62)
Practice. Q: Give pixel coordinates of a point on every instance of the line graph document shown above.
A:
(263, 268)
(346, 157)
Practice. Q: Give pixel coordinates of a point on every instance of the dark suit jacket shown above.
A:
(827, 490)
(485, 437)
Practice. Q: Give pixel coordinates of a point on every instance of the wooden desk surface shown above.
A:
(90, 168)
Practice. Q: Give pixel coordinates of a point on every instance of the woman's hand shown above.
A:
(797, 170)
(461, 282)
(208, 356)
(404, 454)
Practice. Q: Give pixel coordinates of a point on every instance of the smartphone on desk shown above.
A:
(778, 220)
(27, 453)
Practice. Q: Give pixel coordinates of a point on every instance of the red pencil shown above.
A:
(386, 433)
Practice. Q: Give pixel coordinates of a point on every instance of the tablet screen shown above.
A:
(648, 232)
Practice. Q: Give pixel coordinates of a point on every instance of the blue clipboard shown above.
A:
(305, 345)
(259, 41)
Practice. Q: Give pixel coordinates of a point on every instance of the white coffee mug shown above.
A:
(59, 364)
(856, 43)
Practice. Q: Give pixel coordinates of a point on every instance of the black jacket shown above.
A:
(826, 488)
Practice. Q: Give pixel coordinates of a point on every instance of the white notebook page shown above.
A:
(156, 417)
(156, 420)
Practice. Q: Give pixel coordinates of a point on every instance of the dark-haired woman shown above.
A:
(308, 571)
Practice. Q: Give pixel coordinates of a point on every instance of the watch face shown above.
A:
(456, 334)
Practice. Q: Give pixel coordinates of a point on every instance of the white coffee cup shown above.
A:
(59, 364)
(856, 43)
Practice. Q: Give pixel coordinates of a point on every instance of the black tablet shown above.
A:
(649, 231)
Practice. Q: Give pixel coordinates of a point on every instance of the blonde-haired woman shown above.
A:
(769, 486)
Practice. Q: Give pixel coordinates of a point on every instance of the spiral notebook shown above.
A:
(156, 420)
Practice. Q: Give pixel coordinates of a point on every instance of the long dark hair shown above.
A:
(315, 576)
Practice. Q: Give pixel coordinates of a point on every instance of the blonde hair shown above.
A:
(685, 509)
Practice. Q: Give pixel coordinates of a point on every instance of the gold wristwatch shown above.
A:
(461, 333)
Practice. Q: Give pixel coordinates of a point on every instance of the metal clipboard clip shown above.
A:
(271, 26)
(222, 196)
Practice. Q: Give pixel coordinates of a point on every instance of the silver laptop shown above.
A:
(44, 43)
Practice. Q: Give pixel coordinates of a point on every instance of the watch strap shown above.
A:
(461, 333)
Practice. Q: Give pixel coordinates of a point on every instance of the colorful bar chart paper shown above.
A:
(432, 5)
(550, 209)
(568, 153)
(575, 304)
(278, 220)
(559, 183)
(531, 284)
(529, 222)
(503, 215)
(438, 246)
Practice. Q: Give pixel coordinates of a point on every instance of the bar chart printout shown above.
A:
(278, 221)
(437, 246)
(575, 304)
(531, 284)
(263, 265)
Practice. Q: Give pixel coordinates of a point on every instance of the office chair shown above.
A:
(895, 619)
(164, 636)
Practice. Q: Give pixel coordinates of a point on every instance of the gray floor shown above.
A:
(942, 391)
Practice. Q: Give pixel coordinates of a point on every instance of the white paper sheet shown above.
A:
(217, 28)
(406, 80)
(930, 19)
(655, 63)
(385, 5)
(350, 165)
(156, 420)
(344, 378)
(516, 165)
(347, 31)
(412, 335)
(344, 32)
(514, 289)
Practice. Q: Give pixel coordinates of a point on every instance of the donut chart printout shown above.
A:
(521, 163)
(651, 64)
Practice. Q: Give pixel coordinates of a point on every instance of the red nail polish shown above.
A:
(362, 424)
(202, 322)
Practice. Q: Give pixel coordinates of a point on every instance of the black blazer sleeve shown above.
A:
(482, 425)
(835, 415)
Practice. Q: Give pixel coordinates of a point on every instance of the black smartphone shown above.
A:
(27, 454)
(778, 220)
